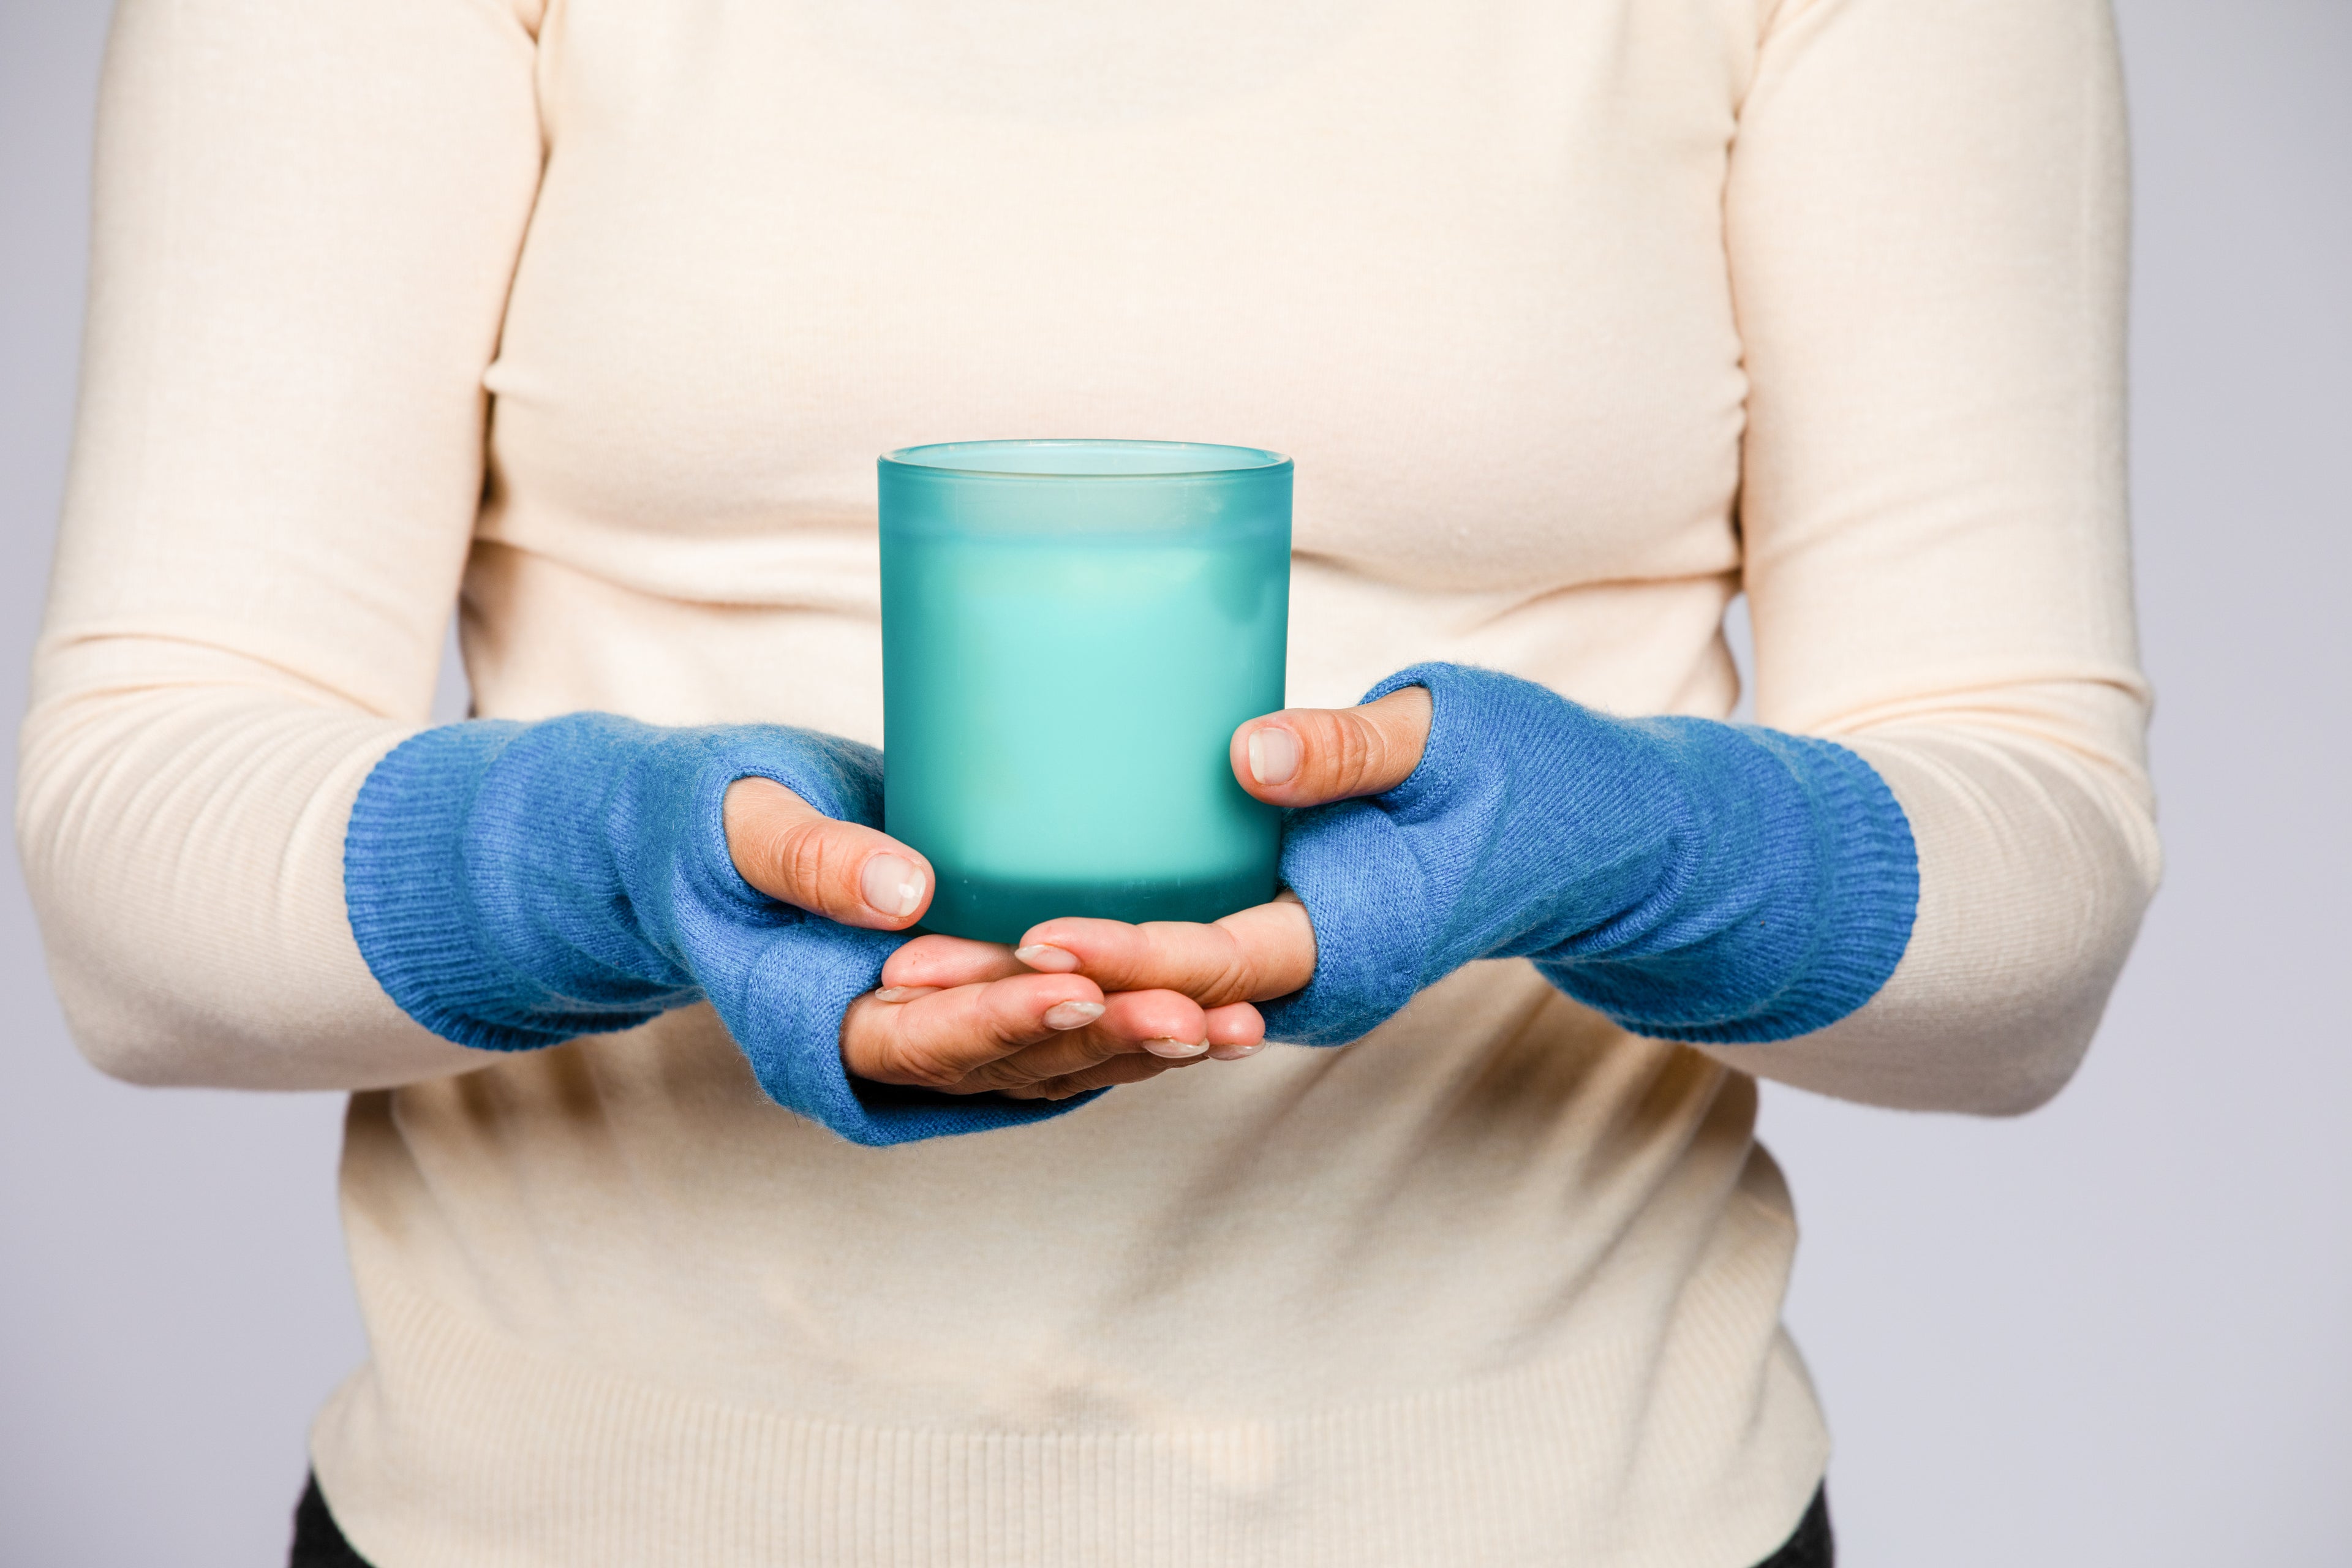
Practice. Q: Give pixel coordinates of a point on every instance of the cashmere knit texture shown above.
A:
(1692, 879)
(513, 886)
(1580, 321)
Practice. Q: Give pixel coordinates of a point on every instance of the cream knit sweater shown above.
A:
(1578, 316)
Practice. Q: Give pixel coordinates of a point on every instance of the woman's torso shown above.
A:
(1499, 1276)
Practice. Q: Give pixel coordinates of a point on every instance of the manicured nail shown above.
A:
(1051, 959)
(892, 885)
(1073, 1015)
(1273, 756)
(1235, 1053)
(1176, 1049)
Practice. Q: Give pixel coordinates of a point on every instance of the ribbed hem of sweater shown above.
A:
(456, 1447)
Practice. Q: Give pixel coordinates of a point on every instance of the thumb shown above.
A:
(1305, 756)
(842, 870)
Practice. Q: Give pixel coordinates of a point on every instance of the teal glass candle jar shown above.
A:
(1071, 632)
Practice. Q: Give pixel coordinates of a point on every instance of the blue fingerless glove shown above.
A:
(514, 885)
(1693, 880)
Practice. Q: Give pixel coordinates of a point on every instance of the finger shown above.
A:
(1249, 956)
(1155, 1025)
(942, 960)
(1235, 1031)
(842, 870)
(1117, 1071)
(1160, 1025)
(1305, 756)
(1203, 961)
(938, 1039)
(1077, 1051)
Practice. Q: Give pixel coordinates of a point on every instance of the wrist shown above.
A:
(1792, 905)
(460, 841)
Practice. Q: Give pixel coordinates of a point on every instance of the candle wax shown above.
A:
(1065, 749)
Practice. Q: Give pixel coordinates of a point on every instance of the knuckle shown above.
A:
(924, 1065)
(800, 853)
(998, 1076)
(1353, 745)
(1233, 977)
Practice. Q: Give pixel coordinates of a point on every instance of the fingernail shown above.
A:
(1051, 959)
(903, 993)
(1073, 1015)
(892, 885)
(1177, 1049)
(1273, 754)
(1235, 1053)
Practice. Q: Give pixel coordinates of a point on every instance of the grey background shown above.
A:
(2115, 1331)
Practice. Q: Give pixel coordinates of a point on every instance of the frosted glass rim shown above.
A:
(937, 457)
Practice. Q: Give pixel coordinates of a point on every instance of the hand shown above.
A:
(1690, 878)
(1298, 757)
(954, 1015)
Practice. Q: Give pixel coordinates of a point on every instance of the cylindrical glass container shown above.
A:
(1071, 631)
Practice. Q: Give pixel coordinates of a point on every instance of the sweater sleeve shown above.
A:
(306, 218)
(1926, 228)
